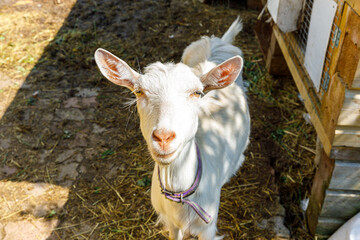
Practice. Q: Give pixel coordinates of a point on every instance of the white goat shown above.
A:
(196, 140)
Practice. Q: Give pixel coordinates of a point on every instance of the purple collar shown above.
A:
(180, 196)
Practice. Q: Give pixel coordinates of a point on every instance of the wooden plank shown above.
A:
(317, 195)
(354, 4)
(346, 175)
(347, 136)
(350, 112)
(341, 204)
(263, 32)
(333, 46)
(349, 117)
(327, 226)
(350, 49)
(333, 98)
(345, 153)
(356, 82)
(331, 105)
(275, 61)
(337, 50)
(299, 77)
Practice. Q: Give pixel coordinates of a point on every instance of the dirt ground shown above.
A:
(73, 163)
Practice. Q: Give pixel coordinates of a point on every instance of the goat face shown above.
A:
(168, 98)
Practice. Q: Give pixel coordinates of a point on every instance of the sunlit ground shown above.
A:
(30, 209)
(26, 27)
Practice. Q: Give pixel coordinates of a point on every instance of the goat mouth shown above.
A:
(164, 156)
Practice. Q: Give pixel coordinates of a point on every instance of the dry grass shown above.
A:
(110, 198)
(26, 28)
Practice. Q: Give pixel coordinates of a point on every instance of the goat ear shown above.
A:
(115, 69)
(223, 74)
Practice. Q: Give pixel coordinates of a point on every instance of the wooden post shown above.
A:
(321, 182)
(275, 61)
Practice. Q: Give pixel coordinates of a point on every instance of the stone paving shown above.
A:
(29, 206)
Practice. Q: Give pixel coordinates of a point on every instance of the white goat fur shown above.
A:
(219, 123)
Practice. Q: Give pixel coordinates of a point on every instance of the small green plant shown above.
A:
(67, 134)
(51, 214)
(107, 153)
(97, 190)
(278, 135)
(144, 182)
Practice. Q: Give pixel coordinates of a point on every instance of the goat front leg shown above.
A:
(175, 233)
(210, 233)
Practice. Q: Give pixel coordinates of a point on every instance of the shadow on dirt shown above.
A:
(72, 155)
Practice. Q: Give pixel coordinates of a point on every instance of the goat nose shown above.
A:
(163, 136)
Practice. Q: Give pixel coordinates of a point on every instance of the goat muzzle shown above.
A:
(163, 138)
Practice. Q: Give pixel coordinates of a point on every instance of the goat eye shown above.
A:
(197, 94)
(139, 93)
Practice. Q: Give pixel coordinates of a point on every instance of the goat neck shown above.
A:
(179, 175)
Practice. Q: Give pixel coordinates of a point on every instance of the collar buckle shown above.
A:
(164, 191)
